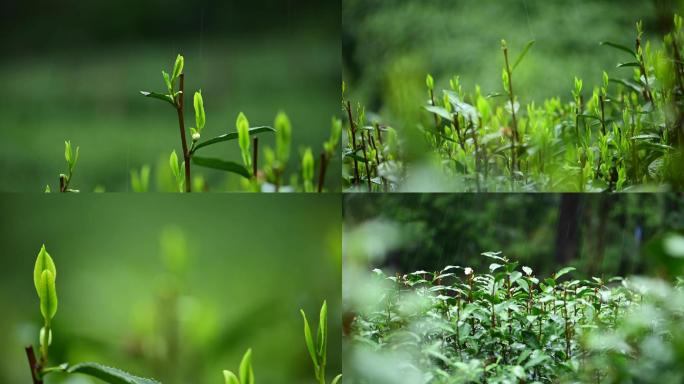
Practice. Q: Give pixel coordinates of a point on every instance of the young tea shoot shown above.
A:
(318, 347)
(246, 373)
(44, 279)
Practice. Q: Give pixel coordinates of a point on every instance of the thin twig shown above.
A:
(33, 365)
(181, 125)
(353, 134)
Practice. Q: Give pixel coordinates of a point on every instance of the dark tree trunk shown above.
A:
(605, 206)
(568, 228)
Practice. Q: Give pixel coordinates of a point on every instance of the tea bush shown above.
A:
(508, 325)
(625, 135)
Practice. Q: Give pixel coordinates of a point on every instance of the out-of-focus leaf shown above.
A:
(109, 374)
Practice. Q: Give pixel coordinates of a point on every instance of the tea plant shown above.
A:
(71, 158)
(508, 325)
(267, 174)
(246, 372)
(622, 135)
(247, 138)
(318, 350)
(44, 279)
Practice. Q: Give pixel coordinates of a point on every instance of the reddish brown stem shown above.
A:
(353, 134)
(181, 125)
(33, 365)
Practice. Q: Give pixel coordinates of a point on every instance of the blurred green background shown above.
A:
(601, 235)
(73, 70)
(390, 45)
(176, 289)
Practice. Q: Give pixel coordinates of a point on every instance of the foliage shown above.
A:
(318, 350)
(246, 372)
(254, 179)
(44, 279)
(507, 325)
(625, 136)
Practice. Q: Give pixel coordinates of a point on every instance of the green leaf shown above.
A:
(246, 371)
(242, 126)
(43, 262)
(229, 166)
(620, 47)
(430, 82)
(336, 379)
(67, 152)
(309, 342)
(307, 165)
(230, 378)
(173, 163)
(178, 67)
(47, 292)
(109, 374)
(158, 96)
(563, 272)
(494, 266)
(630, 64)
(283, 137)
(200, 117)
(167, 81)
(522, 54)
(323, 333)
(232, 136)
(515, 275)
(440, 111)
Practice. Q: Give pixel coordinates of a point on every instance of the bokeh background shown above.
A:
(600, 235)
(73, 70)
(390, 45)
(176, 289)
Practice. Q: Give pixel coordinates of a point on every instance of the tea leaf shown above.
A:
(229, 166)
(563, 272)
(200, 117)
(47, 292)
(158, 96)
(178, 67)
(246, 372)
(109, 374)
(233, 136)
(323, 333)
(283, 129)
(309, 342)
(43, 262)
(230, 378)
(620, 47)
(522, 54)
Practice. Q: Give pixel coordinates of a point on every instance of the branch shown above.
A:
(181, 125)
(33, 365)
